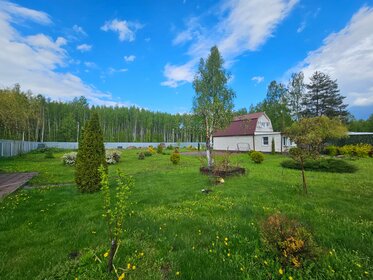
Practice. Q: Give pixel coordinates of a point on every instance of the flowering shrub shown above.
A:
(69, 158)
(292, 242)
(112, 157)
(359, 150)
(151, 150)
(257, 157)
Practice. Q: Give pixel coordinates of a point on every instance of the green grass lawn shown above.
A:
(173, 231)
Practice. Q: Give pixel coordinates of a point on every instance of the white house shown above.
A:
(250, 132)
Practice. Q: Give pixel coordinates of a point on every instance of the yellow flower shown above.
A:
(280, 271)
(291, 278)
(133, 267)
(141, 254)
(226, 239)
(265, 262)
(229, 254)
(122, 276)
(358, 265)
(366, 273)
(128, 266)
(177, 273)
(106, 254)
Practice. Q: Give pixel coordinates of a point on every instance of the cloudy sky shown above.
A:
(145, 52)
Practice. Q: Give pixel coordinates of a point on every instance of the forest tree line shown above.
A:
(26, 116)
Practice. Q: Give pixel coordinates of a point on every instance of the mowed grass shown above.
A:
(179, 230)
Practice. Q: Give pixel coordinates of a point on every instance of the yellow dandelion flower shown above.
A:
(366, 273)
(280, 271)
(106, 254)
(141, 254)
(291, 278)
(122, 276)
(133, 267)
(226, 239)
(177, 273)
(229, 254)
(358, 265)
(128, 266)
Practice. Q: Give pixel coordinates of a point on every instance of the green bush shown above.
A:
(257, 157)
(175, 157)
(160, 149)
(331, 150)
(358, 150)
(90, 156)
(148, 154)
(323, 165)
(170, 147)
(48, 154)
(141, 155)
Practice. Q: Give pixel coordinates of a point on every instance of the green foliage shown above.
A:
(359, 150)
(170, 147)
(148, 154)
(352, 140)
(175, 157)
(213, 102)
(323, 98)
(273, 147)
(160, 149)
(331, 150)
(48, 154)
(90, 156)
(257, 157)
(295, 92)
(361, 126)
(115, 210)
(141, 156)
(322, 164)
(289, 240)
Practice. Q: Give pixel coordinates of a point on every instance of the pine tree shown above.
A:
(323, 98)
(91, 154)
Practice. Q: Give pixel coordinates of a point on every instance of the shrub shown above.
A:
(273, 147)
(151, 150)
(48, 154)
(331, 150)
(175, 157)
(112, 157)
(160, 149)
(358, 150)
(141, 155)
(90, 156)
(69, 158)
(257, 157)
(147, 153)
(289, 240)
(170, 147)
(323, 165)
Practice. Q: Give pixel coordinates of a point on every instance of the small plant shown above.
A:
(257, 157)
(160, 149)
(148, 154)
(112, 157)
(175, 157)
(69, 158)
(141, 156)
(273, 147)
(289, 240)
(115, 210)
(151, 150)
(323, 165)
(331, 150)
(48, 154)
(170, 147)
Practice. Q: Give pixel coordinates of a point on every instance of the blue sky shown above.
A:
(145, 53)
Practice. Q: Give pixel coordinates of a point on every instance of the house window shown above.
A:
(265, 141)
(284, 142)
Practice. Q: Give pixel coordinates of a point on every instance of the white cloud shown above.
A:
(84, 47)
(129, 58)
(125, 29)
(90, 64)
(301, 27)
(242, 25)
(112, 70)
(79, 30)
(15, 12)
(35, 61)
(177, 75)
(347, 56)
(258, 79)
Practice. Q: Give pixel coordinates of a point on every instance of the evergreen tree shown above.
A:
(213, 102)
(91, 154)
(323, 98)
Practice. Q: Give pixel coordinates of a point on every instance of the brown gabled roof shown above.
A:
(240, 126)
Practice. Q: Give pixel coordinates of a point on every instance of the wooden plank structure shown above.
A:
(10, 182)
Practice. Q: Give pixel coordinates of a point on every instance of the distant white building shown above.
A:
(250, 132)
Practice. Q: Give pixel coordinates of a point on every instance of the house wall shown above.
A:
(233, 143)
(259, 146)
